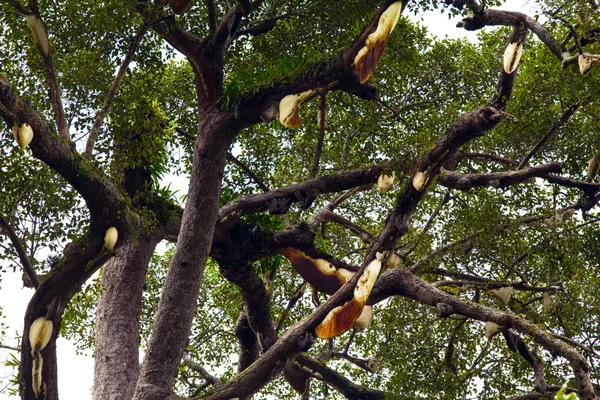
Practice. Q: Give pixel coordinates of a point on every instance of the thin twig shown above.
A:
(321, 138)
(573, 32)
(566, 115)
(359, 362)
(2, 346)
(298, 293)
(40, 35)
(200, 369)
(25, 262)
(575, 343)
(248, 171)
(429, 222)
(17, 4)
(93, 136)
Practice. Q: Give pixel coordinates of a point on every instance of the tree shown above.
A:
(489, 230)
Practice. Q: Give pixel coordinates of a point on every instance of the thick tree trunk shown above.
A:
(182, 283)
(117, 320)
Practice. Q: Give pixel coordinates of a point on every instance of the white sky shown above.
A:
(76, 372)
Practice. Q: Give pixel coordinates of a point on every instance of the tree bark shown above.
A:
(178, 299)
(117, 320)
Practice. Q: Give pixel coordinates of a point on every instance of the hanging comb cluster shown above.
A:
(40, 333)
(325, 277)
(512, 56)
(289, 108)
(586, 62)
(368, 57)
(23, 135)
(319, 273)
(341, 318)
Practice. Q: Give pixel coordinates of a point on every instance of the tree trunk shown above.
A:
(117, 320)
(179, 296)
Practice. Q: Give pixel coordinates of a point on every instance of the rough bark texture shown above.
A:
(178, 298)
(117, 320)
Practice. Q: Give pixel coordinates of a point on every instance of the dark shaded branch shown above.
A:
(326, 215)
(449, 353)
(465, 128)
(488, 284)
(322, 115)
(575, 343)
(249, 349)
(40, 35)
(25, 262)
(344, 196)
(491, 17)
(298, 293)
(263, 26)
(506, 81)
(557, 124)
(212, 15)
(248, 171)
(2, 346)
(498, 180)
(573, 32)
(588, 188)
(454, 274)
(101, 114)
(416, 104)
(324, 184)
(17, 4)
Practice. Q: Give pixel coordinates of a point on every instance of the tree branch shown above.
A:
(40, 36)
(490, 157)
(212, 15)
(249, 348)
(367, 365)
(263, 26)
(325, 184)
(498, 180)
(557, 124)
(590, 189)
(336, 380)
(488, 284)
(25, 262)
(101, 114)
(2, 346)
(211, 379)
(322, 115)
(404, 283)
(491, 17)
(248, 171)
(298, 293)
(326, 215)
